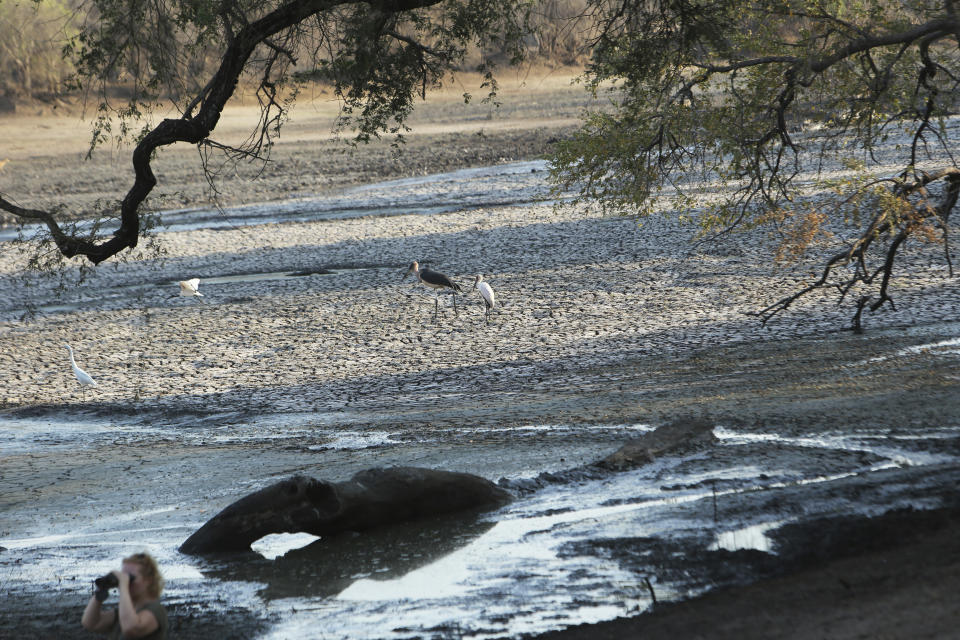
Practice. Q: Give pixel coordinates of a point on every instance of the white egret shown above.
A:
(436, 281)
(82, 376)
(486, 292)
(190, 288)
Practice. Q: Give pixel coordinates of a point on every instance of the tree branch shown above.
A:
(190, 128)
(934, 28)
(877, 228)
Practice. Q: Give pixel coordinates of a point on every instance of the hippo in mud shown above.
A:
(371, 498)
(383, 496)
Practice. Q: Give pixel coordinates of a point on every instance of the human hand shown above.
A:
(123, 579)
(101, 594)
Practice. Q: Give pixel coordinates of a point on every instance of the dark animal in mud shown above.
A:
(679, 435)
(682, 434)
(371, 498)
(381, 497)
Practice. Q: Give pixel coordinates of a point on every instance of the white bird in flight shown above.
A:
(191, 288)
(486, 292)
(82, 376)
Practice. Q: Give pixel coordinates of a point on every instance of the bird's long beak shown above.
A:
(409, 271)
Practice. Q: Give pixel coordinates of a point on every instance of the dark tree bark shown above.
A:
(881, 230)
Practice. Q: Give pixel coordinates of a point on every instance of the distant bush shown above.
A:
(32, 35)
(33, 61)
(562, 37)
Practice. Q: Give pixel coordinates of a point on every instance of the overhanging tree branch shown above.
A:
(879, 227)
(727, 89)
(241, 35)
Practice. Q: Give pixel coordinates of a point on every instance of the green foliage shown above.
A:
(377, 60)
(741, 98)
(195, 54)
(719, 90)
(379, 82)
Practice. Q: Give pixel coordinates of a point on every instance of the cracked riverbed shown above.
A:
(605, 332)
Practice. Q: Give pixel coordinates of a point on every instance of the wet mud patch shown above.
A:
(689, 561)
(829, 538)
(330, 564)
(892, 576)
(729, 468)
(55, 615)
(761, 533)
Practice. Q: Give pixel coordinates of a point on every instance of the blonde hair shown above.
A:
(149, 569)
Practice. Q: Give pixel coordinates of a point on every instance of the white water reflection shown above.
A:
(23, 435)
(891, 446)
(311, 431)
(941, 349)
(518, 183)
(314, 431)
(754, 537)
(276, 544)
(519, 539)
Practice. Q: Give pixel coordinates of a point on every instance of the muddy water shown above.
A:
(533, 568)
(549, 559)
(569, 549)
(822, 425)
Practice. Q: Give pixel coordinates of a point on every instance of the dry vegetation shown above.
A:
(36, 75)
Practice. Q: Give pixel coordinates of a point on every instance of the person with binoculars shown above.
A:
(139, 613)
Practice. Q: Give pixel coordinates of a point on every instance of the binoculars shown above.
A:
(108, 581)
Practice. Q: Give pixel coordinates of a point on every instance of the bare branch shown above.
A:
(858, 249)
(934, 28)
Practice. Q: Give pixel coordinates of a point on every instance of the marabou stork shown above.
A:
(436, 281)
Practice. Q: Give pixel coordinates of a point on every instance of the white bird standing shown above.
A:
(486, 292)
(436, 281)
(191, 288)
(82, 376)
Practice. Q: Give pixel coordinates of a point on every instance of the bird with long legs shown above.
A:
(82, 376)
(436, 281)
(191, 288)
(486, 292)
